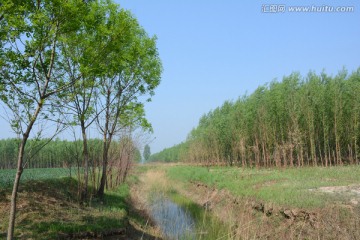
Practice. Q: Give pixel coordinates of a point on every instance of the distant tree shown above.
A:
(299, 121)
(147, 152)
(137, 157)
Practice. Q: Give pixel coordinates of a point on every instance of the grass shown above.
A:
(207, 226)
(48, 207)
(262, 204)
(154, 183)
(7, 175)
(287, 187)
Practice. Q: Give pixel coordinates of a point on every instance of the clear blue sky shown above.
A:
(214, 51)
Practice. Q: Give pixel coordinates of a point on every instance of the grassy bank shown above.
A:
(48, 208)
(152, 185)
(295, 187)
(306, 203)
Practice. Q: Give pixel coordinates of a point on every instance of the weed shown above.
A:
(289, 187)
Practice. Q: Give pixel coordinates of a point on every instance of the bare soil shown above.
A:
(350, 194)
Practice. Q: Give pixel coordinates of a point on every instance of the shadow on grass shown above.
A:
(50, 209)
(90, 227)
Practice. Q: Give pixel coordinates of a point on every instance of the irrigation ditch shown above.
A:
(172, 215)
(193, 210)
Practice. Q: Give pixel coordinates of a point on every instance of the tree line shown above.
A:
(176, 153)
(43, 153)
(310, 120)
(74, 64)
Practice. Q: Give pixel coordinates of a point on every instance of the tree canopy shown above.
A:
(74, 63)
(300, 121)
(147, 152)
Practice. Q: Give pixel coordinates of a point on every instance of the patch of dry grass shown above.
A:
(49, 208)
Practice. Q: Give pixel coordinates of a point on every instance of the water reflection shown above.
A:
(173, 220)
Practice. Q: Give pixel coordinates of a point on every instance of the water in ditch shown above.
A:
(174, 221)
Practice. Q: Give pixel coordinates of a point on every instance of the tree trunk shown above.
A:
(100, 192)
(84, 193)
(15, 190)
(106, 145)
(11, 227)
(356, 152)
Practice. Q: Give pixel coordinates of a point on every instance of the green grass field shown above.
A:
(288, 187)
(7, 175)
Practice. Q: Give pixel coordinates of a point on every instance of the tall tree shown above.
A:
(84, 62)
(147, 152)
(31, 74)
(133, 69)
(312, 120)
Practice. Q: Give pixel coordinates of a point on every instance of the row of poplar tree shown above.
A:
(44, 153)
(300, 121)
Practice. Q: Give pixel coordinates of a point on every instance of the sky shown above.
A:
(213, 51)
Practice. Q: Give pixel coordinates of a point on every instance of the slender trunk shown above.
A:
(11, 227)
(355, 139)
(94, 175)
(86, 162)
(326, 141)
(292, 156)
(78, 177)
(256, 152)
(356, 151)
(111, 180)
(336, 140)
(106, 143)
(100, 192)
(350, 153)
(15, 190)
(264, 153)
(312, 150)
(284, 148)
(243, 153)
(301, 156)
